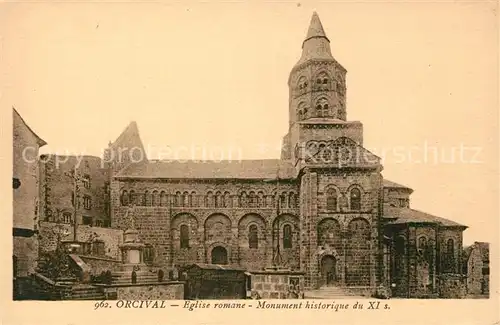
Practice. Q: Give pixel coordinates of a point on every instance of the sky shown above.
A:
(422, 78)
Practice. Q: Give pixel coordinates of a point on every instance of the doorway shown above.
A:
(219, 255)
(329, 270)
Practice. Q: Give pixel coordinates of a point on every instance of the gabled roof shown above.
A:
(407, 215)
(228, 169)
(39, 140)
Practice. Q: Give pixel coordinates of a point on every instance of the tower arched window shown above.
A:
(287, 236)
(283, 200)
(331, 199)
(322, 107)
(292, 200)
(253, 237)
(184, 236)
(355, 199)
(125, 198)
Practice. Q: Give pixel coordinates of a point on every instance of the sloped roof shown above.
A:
(16, 114)
(406, 215)
(391, 184)
(217, 267)
(485, 250)
(227, 169)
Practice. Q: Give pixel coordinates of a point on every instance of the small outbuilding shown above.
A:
(213, 281)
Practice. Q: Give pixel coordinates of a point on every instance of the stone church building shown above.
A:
(322, 208)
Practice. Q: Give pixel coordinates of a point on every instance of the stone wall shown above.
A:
(57, 188)
(209, 227)
(159, 291)
(341, 234)
(452, 286)
(99, 265)
(25, 251)
(49, 232)
(25, 168)
(277, 284)
(450, 263)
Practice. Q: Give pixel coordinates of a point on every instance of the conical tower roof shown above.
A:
(315, 29)
(316, 45)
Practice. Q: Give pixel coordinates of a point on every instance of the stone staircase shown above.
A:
(328, 292)
(86, 292)
(122, 277)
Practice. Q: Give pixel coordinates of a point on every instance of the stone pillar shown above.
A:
(234, 245)
(201, 244)
(132, 250)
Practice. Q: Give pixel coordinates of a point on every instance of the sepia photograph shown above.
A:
(306, 156)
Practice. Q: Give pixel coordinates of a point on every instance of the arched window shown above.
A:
(252, 199)
(450, 248)
(163, 198)
(260, 199)
(227, 200)
(287, 236)
(132, 198)
(125, 198)
(154, 198)
(322, 107)
(147, 199)
(243, 200)
(67, 218)
(331, 200)
(253, 237)
(191, 199)
(302, 84)
(283, 200)
(184, 236)
(178, 199)
(355, 199)
(450, 256)
(422, 242)
(218, 200)
(209, 200)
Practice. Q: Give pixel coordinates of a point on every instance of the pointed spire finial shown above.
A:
(315, 28)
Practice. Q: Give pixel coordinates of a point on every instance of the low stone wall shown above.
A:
(49, 232)
(99, 264)
(368, 291)
(25, 250)
(277, 284)
(452, 286)
(173, 290)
